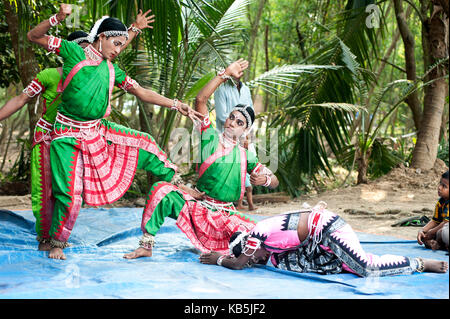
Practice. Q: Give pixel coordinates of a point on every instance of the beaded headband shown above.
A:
(244, 112)
(116, 33)
(79, 40)
(108, 33)
(239, 240)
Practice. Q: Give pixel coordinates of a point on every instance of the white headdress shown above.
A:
(108, 33)
(94, 30)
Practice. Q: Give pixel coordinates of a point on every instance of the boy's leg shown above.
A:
(248, 186)
(67, 185)
(444, 236)
(42, 200)
(249, 193)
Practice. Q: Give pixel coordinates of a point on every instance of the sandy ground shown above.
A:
(370, 208)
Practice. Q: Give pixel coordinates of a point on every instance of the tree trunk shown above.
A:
(362, 162)
(435, 29)
(253, 36)
(25, 57)
(410, 61)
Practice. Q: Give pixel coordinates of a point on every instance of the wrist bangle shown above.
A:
(268, 181)
(135, 29)
(220, 259)
(174, 105)
(223, 75)
(53, 20)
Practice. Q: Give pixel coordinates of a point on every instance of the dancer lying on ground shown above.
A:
(313, 240)
(206, 214)
(94, 160)
(49, 83)
(434, 234)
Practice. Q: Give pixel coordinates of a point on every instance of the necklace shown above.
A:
(92, 53)
(226, 141)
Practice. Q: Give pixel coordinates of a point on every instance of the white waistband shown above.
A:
(74, 123)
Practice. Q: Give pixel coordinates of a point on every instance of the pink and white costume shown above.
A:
(331, 246)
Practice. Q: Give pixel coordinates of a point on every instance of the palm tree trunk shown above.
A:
(435, 29)
(253, 35)
(410, 60)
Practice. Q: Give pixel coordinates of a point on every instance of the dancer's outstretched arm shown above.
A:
(231, 262)
(39, 35)
(149, 96)
(13, 105)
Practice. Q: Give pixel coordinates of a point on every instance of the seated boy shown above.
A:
(434, 234)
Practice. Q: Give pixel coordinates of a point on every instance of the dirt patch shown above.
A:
(371, 208)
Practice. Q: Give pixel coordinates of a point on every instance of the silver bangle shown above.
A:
(135, 29)
(268, 181)
(174, 105)
(220, 260)
(223, 75)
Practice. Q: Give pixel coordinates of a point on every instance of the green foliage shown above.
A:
(443, 151)
(20, 170)
(382, 159)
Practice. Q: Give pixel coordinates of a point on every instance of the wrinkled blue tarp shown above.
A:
(95, 267)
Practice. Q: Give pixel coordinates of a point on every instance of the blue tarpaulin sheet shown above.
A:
(95, 267)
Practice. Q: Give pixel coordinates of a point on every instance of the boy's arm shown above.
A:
(431, 234)
(39, 35)
(423, 233)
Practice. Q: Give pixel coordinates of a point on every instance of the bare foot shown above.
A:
(435, 266)
(140, 252)
(251, 208)
(44, 247)
(56, 253)
(240, 207)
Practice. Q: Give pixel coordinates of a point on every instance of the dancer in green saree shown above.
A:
(48, 83)
(94, 160)
(206, 214)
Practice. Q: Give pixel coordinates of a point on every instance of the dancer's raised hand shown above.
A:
(236, 69)
(65, 10)
(143, 21)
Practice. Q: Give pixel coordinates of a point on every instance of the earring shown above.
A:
(100, 47)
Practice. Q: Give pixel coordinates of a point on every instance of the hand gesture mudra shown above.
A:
(65, 10)
(143, 21)
(186, 110)
(256, 179)
(236, 69)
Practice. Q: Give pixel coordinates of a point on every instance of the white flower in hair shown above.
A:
(94, 30)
